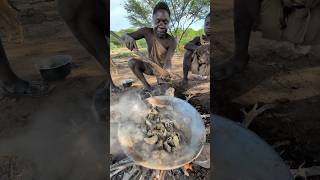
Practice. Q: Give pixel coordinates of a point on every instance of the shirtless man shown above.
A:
(87, 19)
(296, 21)
(161, 45)
(192, 46)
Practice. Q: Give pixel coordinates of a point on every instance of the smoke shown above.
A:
(63, 141)
(129, 106)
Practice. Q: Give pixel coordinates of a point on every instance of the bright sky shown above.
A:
(119, 21)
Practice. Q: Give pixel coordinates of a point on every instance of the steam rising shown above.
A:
(129, 106)
(128, 115)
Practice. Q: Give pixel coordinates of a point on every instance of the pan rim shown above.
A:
(67, 60)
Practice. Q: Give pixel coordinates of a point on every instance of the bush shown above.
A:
(188, 36)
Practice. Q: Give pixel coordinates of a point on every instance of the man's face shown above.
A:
(161, 21)
(207, 26)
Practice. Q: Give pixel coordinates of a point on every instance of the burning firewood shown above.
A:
(188, 167)
(306, 172)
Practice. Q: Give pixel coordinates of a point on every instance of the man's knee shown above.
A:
(132, 63)
(187, 58)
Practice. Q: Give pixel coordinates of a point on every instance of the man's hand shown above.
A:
(130, 42)
(172, 75)
(169, 75)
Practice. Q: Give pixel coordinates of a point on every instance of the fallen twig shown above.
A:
(185, 172)
(197, 89)
(306, 172)
(281, 143)
(189, 96)
(254, 112)
(113, 64)
(131, 173)
(204, 116)
(143, 174)
(122, 162)
(118, 169)
(120, 166)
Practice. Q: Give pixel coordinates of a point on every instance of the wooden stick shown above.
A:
(158, 69)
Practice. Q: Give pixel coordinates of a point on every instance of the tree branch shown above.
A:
(184, 13)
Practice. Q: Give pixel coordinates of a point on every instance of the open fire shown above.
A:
(126, 169)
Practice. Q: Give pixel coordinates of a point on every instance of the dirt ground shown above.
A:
(276, 75)
(56, 136)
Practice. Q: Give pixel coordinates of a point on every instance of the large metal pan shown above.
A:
(240, 154)
(188, 152)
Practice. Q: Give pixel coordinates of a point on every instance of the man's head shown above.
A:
(161, 18)
(207, 25)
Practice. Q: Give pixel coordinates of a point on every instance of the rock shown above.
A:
(148, 123)
(167, 147)
(159, 145)
(151, 140)
(176, 141)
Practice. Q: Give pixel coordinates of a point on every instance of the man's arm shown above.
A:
(192, 45)
(130, 38)
(170, 53)
(139, 34)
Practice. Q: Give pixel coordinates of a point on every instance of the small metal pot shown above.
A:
(127, 83)
(56, 68)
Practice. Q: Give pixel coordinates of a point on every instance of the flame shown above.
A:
(188, 167)
(160, 176)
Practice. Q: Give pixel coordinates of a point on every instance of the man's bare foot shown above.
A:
(24, 88)
(226, 70)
